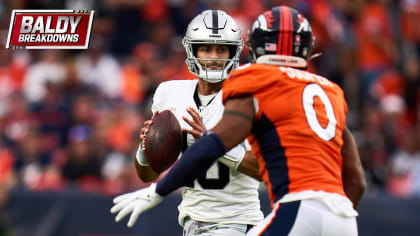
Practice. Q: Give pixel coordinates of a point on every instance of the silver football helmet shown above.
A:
(212, 27)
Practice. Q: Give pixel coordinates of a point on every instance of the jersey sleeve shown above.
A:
(158, 103)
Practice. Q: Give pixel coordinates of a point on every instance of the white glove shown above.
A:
(135, 203)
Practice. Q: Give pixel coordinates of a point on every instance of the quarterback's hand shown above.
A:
(135, 203)
(145, 129)
(196, 123)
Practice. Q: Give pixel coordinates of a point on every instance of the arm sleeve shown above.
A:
(196, 160)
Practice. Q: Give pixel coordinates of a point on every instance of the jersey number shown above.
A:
(309, 93)
(213, 183)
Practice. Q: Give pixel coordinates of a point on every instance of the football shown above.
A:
(163, 142)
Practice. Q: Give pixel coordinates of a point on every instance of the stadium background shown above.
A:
(70, 120)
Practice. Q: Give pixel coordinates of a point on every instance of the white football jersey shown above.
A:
(221, 195)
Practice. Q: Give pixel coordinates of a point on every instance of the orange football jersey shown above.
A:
(297, 131)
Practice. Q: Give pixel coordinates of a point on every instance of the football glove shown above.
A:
(135, 203)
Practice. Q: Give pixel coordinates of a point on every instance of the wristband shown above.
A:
(231, 163)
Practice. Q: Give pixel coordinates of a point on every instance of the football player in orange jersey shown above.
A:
(295, 123)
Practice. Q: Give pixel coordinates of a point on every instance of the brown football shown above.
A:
(163, 142)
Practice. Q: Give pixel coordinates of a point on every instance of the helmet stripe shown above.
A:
(215, 18)
(286, 30)
(280, 38)
(285, 13)
(283, 32)
(290, 32)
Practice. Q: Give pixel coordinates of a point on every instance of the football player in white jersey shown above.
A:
(222, 201)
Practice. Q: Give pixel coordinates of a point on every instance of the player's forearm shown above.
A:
(195, 160)
(354, 190)
(353, 175)
(145, 173)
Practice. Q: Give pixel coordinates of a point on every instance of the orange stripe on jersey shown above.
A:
(297, 131)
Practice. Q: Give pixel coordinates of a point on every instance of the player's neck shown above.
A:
(206, 88)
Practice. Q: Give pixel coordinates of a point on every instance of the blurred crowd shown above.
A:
(71, 118)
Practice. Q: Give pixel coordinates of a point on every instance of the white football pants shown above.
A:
(304, 218)
(195, 228)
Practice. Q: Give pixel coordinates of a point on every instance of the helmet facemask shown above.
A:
(212, 27)
(201, 70)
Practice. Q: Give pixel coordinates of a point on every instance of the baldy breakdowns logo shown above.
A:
(50, 29)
